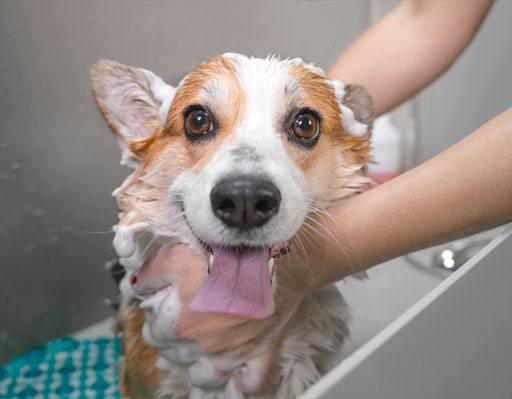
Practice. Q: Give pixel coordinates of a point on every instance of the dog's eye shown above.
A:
(198, 122)
(306, 126)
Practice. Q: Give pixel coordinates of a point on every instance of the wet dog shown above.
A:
(230, 165)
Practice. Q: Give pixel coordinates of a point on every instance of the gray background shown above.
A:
(59, 162)
(477, 87)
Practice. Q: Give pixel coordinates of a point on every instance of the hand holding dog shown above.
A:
(229, 337)
(213, 332)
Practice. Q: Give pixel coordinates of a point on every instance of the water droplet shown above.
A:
(29, 248)
(53, 239)
(15, 166)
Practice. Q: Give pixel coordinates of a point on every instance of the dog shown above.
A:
(232, 164)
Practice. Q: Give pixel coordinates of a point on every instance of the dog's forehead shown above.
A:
(262, 76)
(262, 82)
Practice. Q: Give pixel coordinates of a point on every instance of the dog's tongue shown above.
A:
(239, 284)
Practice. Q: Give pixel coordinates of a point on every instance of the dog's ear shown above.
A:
(133, 101)
(360, 102)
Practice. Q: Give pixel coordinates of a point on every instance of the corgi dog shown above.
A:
(231, 165)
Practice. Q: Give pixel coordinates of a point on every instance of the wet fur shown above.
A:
(304, 339)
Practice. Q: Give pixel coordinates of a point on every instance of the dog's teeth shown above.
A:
(270, 265)
(212, 258)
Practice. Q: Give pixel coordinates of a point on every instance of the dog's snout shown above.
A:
(245, 201)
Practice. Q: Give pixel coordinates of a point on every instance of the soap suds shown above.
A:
(349, 122)
(348, 119)
(162, 311)
(339, 89)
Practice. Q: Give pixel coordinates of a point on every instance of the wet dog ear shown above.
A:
(360, 102)
(133, 101)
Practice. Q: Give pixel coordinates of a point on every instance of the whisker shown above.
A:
(322, 212)
(98, 232)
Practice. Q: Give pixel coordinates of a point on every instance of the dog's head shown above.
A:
(233, 161)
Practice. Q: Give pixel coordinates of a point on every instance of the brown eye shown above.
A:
(198, 122)
(306, 126)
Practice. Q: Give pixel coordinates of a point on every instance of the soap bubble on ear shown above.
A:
(387, 150)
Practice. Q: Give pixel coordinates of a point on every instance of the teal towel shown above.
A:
(64, 369)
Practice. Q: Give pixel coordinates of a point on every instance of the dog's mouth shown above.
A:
(239, 281)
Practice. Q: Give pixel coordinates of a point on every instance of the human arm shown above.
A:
(408, 48)
(463, 190)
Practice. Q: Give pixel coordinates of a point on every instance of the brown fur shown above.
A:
(139, 357)
(142, 197)
(318, 94)
(228, 111)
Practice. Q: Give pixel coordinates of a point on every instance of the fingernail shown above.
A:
(134, 280)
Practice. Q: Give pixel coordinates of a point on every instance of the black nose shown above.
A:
(245, 201)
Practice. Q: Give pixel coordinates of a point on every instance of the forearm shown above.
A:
(409, 47)
(466, 189)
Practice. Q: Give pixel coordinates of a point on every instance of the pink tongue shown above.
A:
(239, 284)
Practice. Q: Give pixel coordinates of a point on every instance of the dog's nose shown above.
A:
(245, 201)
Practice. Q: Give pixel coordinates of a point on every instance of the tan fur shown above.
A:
(195, 157)
(317, 93)
(139, 358)
(333, 170)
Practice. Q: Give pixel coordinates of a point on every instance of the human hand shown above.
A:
(214, 332)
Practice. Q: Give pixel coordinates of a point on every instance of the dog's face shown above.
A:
(233, 162)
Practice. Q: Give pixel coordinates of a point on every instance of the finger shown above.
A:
(165, 268)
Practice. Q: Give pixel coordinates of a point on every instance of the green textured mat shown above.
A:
(64, 369)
